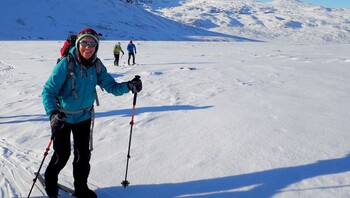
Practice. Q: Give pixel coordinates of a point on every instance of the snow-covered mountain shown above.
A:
(175, 20)
(286, 19)
(214, 119)
(114, 19)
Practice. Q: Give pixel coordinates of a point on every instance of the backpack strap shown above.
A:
(76, 112)
(70, 72)
(92, 113)
(98, 66)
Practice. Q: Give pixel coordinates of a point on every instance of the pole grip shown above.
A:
(135, 92)
(134, 101)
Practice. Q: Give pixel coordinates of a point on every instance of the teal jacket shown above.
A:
(59, 85)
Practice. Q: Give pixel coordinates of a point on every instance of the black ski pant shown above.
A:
(131, 54)
(62, 150)
(116, 59)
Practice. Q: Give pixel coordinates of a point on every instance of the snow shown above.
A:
(176, 20)
(215, 119)
(279, 19)
(255, 119)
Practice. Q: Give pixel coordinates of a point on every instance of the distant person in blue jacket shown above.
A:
(132, 51)
(72, 110)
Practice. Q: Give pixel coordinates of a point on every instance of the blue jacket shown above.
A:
(131, 47)
(59, 85)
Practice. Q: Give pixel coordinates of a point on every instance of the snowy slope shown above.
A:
(282, 19)
(228, 20)
(255, 120)
(215, 119)
(114, 19)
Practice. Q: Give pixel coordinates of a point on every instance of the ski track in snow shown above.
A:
(215, 119)
(13, 162)
(6, 71)
(15, 172)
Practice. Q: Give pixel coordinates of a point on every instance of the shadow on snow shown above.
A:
(121, 112)
(140, 110)
(23, 118)
(261, 184)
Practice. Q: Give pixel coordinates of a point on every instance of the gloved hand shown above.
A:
(57, 120)
(135, 85)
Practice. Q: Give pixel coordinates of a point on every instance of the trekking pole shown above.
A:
(125, 183)
(42, 162)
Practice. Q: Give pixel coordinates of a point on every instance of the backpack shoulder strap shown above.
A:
(98, 66)
(71, 63)
(70, 72)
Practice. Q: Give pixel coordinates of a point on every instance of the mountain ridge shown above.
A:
(280, 19)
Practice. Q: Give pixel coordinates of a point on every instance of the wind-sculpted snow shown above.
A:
(14, 161)
(6, 71)
(214, 119)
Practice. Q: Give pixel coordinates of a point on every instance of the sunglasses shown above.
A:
(90, 44)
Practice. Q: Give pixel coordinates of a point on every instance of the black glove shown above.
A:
(57, 120)
(135, 85)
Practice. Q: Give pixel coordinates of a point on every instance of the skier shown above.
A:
(71, 110)
(131, 51)
(116, 51)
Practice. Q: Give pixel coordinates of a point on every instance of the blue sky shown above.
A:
(326, 3)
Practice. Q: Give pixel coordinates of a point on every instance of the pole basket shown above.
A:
(125, 183)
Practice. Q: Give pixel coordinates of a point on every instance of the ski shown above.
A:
(68, 190)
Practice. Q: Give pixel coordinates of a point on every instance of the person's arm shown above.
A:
(107, 82)
(53, 86)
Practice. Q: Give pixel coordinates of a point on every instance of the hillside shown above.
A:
(52, 20)
(231, 20)
(215, 119)
(281, 19)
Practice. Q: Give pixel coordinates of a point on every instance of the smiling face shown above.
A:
(87, 51)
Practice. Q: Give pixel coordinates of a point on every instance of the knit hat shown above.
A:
(87, 32)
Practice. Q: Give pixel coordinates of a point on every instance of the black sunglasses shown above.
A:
(90, 44)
